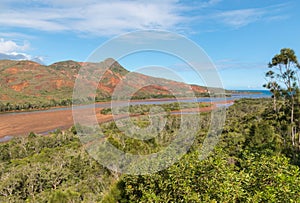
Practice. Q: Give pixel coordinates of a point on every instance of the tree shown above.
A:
(274, 88)
(284, 71)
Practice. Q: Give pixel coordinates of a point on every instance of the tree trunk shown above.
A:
(292, 122)
(274, 103)
(299, 141)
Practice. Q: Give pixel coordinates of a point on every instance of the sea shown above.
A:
(251, 94)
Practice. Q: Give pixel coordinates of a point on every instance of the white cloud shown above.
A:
(226, 64)
(21, 56)
(106, 18)
(98, 17)
(11, 50)
(210, 3)
(15, 56)
(242, 17)
(11, 46)
(239, 18)
(15, 35)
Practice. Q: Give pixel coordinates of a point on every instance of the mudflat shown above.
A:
(41, 122)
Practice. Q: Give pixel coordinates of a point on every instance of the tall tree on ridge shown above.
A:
(284, 71)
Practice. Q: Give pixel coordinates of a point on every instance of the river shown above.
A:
(44, 121)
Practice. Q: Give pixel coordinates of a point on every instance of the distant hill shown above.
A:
(28, 81)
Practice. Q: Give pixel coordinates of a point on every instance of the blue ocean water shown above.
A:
(255, 94)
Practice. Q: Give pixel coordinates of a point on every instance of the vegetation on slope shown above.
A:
(29, 85)
(251, 163)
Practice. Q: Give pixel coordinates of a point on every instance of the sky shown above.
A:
(239, 36)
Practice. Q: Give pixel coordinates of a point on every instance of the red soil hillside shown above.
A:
(27, 81)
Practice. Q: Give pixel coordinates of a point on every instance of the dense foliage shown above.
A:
(52, 168)
(145, 108)
(251, 163)
(5, 107)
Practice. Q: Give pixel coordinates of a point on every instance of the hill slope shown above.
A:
(31, 82)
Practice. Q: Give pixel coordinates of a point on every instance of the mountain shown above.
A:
(28, 81)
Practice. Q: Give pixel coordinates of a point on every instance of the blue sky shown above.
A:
(240, 36)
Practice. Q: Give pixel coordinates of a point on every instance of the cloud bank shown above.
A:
(107, 18)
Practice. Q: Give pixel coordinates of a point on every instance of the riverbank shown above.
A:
(43, 122)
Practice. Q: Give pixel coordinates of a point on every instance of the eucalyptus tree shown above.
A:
(283, 81)
(274, 87)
